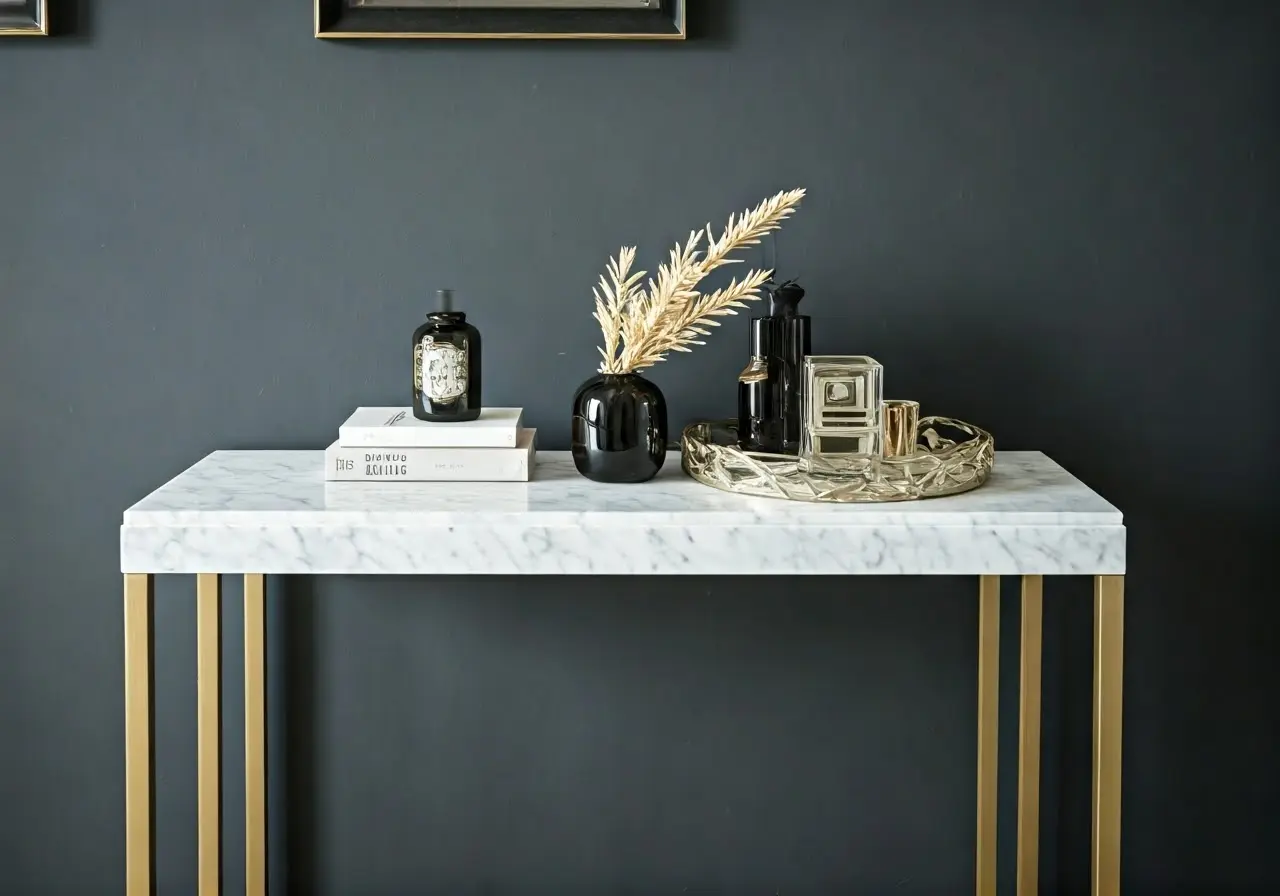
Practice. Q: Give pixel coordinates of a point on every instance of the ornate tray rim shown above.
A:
(940, 467)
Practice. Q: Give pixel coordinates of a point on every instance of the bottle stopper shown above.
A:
(784, 299)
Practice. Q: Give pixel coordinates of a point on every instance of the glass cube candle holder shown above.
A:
(842, 428)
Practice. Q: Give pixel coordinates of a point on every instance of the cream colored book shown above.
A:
(343, 463)
(398, 428)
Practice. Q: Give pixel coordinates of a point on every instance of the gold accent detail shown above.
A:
(255, 735)
(988, 729)
(681, 33)
(1108, 692)
(901, 421)
(709, 453)
(756, 371)
(39, 29)
(515, 35)
(139, 774)
(536, 5)
(1029, 737)
(209, 730)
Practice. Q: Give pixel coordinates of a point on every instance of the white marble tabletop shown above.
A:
(273, 512)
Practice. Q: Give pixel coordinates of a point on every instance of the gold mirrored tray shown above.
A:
(951, 457)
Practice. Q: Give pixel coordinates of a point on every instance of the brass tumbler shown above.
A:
(900, 419)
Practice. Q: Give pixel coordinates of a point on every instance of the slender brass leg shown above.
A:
(139, 773)
(255, 736)
(1029, 737)
(1108, 693)
(209, 729)
(988, 729)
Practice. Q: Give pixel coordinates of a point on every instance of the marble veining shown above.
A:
(273, 512)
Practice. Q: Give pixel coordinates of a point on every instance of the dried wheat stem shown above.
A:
(642, 325)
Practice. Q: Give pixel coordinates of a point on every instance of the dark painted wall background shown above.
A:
(1058, 220)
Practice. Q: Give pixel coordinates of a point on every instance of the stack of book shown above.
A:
(392, 445)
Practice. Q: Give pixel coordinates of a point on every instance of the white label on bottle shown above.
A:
(444, 370)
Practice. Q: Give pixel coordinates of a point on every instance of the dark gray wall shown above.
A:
(1056, 219)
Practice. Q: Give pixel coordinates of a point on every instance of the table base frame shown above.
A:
(139, 672)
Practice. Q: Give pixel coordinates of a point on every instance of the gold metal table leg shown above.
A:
(988, 729)
(1108, 692)
(255, 735)
(1029, 737)
(139, 771)
(209, 730)
(139, 728)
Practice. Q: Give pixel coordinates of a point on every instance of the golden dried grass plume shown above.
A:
(642, 323)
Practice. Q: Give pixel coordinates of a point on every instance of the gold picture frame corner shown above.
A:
(41, 30)
(39, 27)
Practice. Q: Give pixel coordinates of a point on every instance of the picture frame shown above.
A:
(24, 18)
(501, 19)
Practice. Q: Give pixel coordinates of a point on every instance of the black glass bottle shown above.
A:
(446, 366)
(759, 426)
(619, 428)
(791, 343)
(769, 411)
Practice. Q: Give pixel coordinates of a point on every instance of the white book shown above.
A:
(398, 428)
(346, 464)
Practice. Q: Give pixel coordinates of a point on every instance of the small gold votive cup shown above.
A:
(901, 420)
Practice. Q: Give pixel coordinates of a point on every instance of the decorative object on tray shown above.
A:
(901, 425)
(842, 395)
(378, 444)
(759, 423)
(580, 19)
(446, 366)
(951, 457)
(620, 426)
(769, 390)
(24, 18)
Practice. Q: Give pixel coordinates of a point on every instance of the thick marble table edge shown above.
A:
(269, 512)
(426, 552)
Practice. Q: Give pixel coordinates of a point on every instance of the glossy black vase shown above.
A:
(619, 428)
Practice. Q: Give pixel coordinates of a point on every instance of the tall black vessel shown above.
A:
(769, 391)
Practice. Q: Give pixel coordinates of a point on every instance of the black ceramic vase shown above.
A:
(619, 428)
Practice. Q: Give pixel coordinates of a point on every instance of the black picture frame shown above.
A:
(632, 20)
(24, 18)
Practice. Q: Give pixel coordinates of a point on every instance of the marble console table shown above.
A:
(259, 513)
